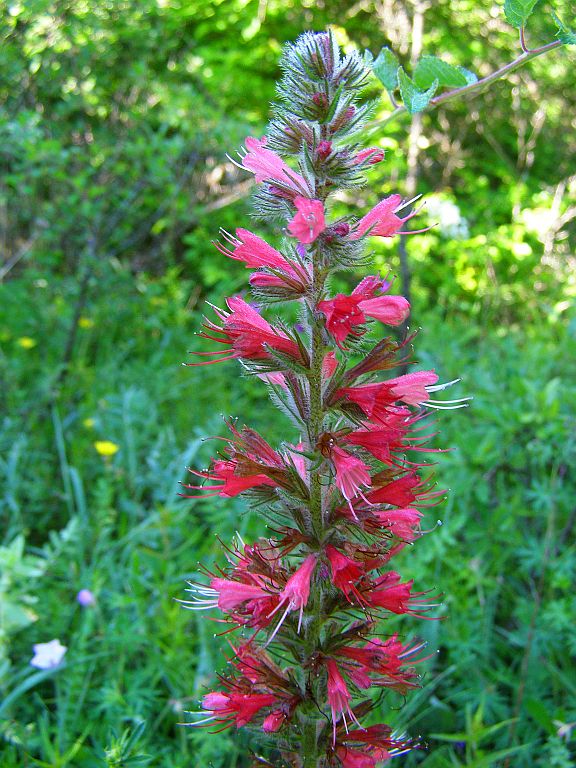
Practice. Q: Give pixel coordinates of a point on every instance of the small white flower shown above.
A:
(48, 655)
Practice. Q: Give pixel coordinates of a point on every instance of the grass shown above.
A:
(503, 558)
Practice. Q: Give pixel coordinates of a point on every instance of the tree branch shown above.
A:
(476, 87)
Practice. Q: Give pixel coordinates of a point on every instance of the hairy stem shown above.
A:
(311, 750)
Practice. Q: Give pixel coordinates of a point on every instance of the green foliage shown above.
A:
(518, 12)
(385, 68)
(430, 69)
(415, 100)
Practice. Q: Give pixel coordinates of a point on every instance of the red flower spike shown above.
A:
(340, 496)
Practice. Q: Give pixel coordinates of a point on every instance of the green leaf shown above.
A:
(386, 69)
(415, 100)
(518, 12)
(431, 68)
(538, 712)
(470, 76)
(564, 33)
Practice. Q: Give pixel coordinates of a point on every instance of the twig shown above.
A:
(473, 88)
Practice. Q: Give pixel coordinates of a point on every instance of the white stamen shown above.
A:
(438, 387)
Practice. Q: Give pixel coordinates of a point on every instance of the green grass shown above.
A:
(503, 558)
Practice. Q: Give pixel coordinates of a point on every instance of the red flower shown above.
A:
(246, 334)
(274, 721)
(234, 707)
(411, 388)
(343, 313)
(345, 571)
(370, 156)
(309, 221)
(338, 695)
(351, 758)
(382, 220)
(257, 254)
(375, 399)
(231, 594)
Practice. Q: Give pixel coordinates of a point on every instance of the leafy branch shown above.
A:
(431, 73)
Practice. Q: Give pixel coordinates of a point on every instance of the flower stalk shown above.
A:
(310, 603)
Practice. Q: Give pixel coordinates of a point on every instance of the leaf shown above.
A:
(414, 99)
(564, 33)
(470, 76)
(518, 12)
(538, 712)
(385, 68)
(431, 68)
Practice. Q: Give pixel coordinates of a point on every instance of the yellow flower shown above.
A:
(86, 322)
(106, 447)
(26, 342)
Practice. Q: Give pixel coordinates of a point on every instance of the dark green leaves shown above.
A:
(415, 99)
(431, 68)
(385, 68)
(518, 12)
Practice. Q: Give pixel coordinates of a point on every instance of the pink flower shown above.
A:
(274, 721)
(329, 365)
(296, 592)
(338, 695)
(309, 220)
(236, 707)
(230, 483)
(351, 472)
(257, 254)
(370, 156)
(48, 655)
(268, 166)
(231, 594)
(376, 399)
(382, 219)
(411, 388)
(351, 758)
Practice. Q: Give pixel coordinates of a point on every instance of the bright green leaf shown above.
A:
(386, 69)
(431, 68)
(518, 12)
(470, 76)
(415, 100)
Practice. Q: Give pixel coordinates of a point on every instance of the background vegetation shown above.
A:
(115, 120)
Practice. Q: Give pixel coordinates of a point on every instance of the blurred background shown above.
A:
(115, 120)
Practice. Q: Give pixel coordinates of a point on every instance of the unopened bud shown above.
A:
(341, 229)
(323, 149)
(370, 156)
